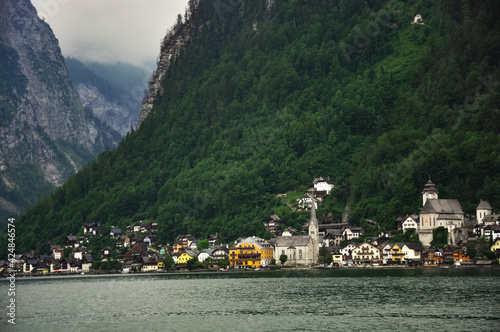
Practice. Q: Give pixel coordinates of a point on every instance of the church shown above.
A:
(438, 212)
(301, 249)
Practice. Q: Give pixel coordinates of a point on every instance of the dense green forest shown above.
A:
(263, 99)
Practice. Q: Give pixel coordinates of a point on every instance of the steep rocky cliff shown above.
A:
(117, 106)
(45, 132)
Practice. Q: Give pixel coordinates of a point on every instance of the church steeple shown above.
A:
(429, 192)
(314, 232)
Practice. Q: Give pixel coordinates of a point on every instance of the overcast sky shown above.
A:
(111, 30)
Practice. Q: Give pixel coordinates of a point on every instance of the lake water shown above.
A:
(316, 300)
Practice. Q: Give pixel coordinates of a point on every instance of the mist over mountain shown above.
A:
(116, 104)
(260, 97)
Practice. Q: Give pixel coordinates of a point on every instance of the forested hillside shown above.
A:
(267, 95)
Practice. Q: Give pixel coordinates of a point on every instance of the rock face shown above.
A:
(45, 132)
(115, 115)
(170, 49)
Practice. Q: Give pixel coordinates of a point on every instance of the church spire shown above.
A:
(314, 231)
(429, 192)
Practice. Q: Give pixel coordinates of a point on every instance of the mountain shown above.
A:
(46, 134)
(263, 96)
(116, 106)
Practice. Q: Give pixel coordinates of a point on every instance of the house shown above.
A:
(251, 252)
(91, 229)
(184, 257)
(115, 232)
(495, 246)
(338, 258)
(411, 252)
(71, 241)
(29, 265)
(348, 249)
(106, 251)
(351, 232)
(366, 253)
(273, 225)
(305, 202)
(220, 253)
(204, 254)
(432, 256)
(69, 265)
(289, 231)
(79, 252)
(323, 184)
(58, 253)
(194, 245)
(87, 263)
(392, 252)
(212, 238)
(334, 237)
(492, 232)
(410, 222)
(149, 264)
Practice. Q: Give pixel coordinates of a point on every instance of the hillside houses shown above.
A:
(136, 248)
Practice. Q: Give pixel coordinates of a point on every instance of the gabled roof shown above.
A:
(442, 206)
(414, 246)
(296, 241)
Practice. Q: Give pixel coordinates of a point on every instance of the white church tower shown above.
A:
(429, 192)
(314, 233)
(483, 209)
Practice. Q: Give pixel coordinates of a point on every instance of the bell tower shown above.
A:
(429, 192)
(314, 232)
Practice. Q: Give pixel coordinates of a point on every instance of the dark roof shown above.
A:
(288, 241)
(321, 179)
(414, 246)
(442, 206)
(429, 187)
(484, 205)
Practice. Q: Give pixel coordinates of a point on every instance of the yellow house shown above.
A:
(397, 252)
(184, 258)
(338, 258)
(496, 245)
(251, 252)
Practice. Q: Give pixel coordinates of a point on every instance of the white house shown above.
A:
(351, 232)
(411, 251)
(347, 250)
(205, 253)
(322, 184)
(410, 222)
(366, 252)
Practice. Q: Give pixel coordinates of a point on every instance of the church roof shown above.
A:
(442, 206)
(484, 205)
(295, 241)
(430, 187)
(448, 216)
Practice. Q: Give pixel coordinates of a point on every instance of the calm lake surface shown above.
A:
(315, 300)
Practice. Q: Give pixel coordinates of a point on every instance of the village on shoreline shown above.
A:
(469, 242)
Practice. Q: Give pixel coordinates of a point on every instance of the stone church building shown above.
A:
(301, 249)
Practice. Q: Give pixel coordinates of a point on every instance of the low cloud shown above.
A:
(110, 30)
